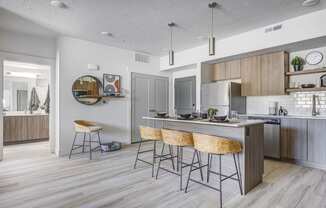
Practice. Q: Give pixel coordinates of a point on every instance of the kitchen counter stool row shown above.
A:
(213, 146)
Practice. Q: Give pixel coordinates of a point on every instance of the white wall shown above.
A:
(74, 56)
(294, 30)
(18, 43)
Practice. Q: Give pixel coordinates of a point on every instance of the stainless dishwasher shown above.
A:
(272, 135)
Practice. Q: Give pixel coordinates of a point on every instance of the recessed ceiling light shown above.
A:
(107, 34)
(59, 4)
(309, 3)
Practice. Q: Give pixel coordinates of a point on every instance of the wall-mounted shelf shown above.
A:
(306, 89)
(113, 96)
(310, 71)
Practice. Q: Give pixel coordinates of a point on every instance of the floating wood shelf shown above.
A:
(113, 96)
(306, 89)
(310, 71)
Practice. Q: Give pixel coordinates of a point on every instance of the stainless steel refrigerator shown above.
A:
(224, 96)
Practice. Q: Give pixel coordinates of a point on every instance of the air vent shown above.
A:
(141, 58)
(273, 28)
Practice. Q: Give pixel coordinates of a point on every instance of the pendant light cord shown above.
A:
(171, 36)
(212, 22)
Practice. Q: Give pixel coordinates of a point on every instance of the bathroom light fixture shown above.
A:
(58, 4)
(310, 3)
(211, 38)
(171, 52)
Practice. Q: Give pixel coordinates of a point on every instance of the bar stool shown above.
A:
(216, 146)
(148, 134)
(180, 139)
(86, 127)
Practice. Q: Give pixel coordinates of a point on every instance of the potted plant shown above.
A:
(297, 63)
(211, 112)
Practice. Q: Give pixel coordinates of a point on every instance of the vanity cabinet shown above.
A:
(250, 76)
(294, 140)
(273, 69)
(24, 128)
(317, 141)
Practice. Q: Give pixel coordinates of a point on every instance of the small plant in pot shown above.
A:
(211, 112)
(297, 63)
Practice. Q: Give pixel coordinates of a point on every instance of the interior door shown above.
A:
(185, 95)
(149, 94)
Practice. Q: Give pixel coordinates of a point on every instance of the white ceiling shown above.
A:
(141, 25)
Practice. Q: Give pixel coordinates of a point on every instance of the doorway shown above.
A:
(149, 94)
(185, 95)
(25, 93)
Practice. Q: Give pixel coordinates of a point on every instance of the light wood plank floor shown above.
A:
(31, 177)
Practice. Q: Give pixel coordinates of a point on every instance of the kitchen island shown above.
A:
(250, 133)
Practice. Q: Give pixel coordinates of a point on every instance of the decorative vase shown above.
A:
(297, 67)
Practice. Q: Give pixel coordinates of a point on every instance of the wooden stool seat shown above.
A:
(84, 126)
(215, 145)
(177, 138)
(148, 133)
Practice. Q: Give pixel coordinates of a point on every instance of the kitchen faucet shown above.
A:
(314, 103)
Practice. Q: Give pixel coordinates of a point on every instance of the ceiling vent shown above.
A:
(142, 58)
(273, 28)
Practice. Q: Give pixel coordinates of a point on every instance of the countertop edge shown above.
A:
(234, 125)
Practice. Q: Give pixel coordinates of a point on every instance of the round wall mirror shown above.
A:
(86, 90)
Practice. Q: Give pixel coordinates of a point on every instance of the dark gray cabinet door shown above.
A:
(149, 94)
(185, 95)
(294, 139)
(317, 141)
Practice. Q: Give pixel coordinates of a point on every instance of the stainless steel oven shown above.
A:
(272, 135)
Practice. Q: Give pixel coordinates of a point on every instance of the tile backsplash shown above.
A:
(299, 103)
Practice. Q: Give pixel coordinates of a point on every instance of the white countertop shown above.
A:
(236, 124)
(8, 114)
(321, 117)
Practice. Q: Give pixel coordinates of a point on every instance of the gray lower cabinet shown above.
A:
(317, 141)
(294, 140)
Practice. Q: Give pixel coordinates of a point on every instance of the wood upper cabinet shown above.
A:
(232, 69)
(317, 141)
(250, 76)
(273, 68)
(294, 140)
(219, 71)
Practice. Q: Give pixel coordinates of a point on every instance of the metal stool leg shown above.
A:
(84, 142)
(154, 154)
(181, 160)
(200, 164)
(208, 166)
(159, 163)
(178, 159)
(90, 146)
(238, 175)
(72, 146)
(189, 175)
(99, 141)
(137, 154)
(220, 174)
(171, 154)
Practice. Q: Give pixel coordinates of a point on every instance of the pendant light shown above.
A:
(171, 52)
(211, 39)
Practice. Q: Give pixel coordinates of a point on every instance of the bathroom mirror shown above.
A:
(86, 90)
